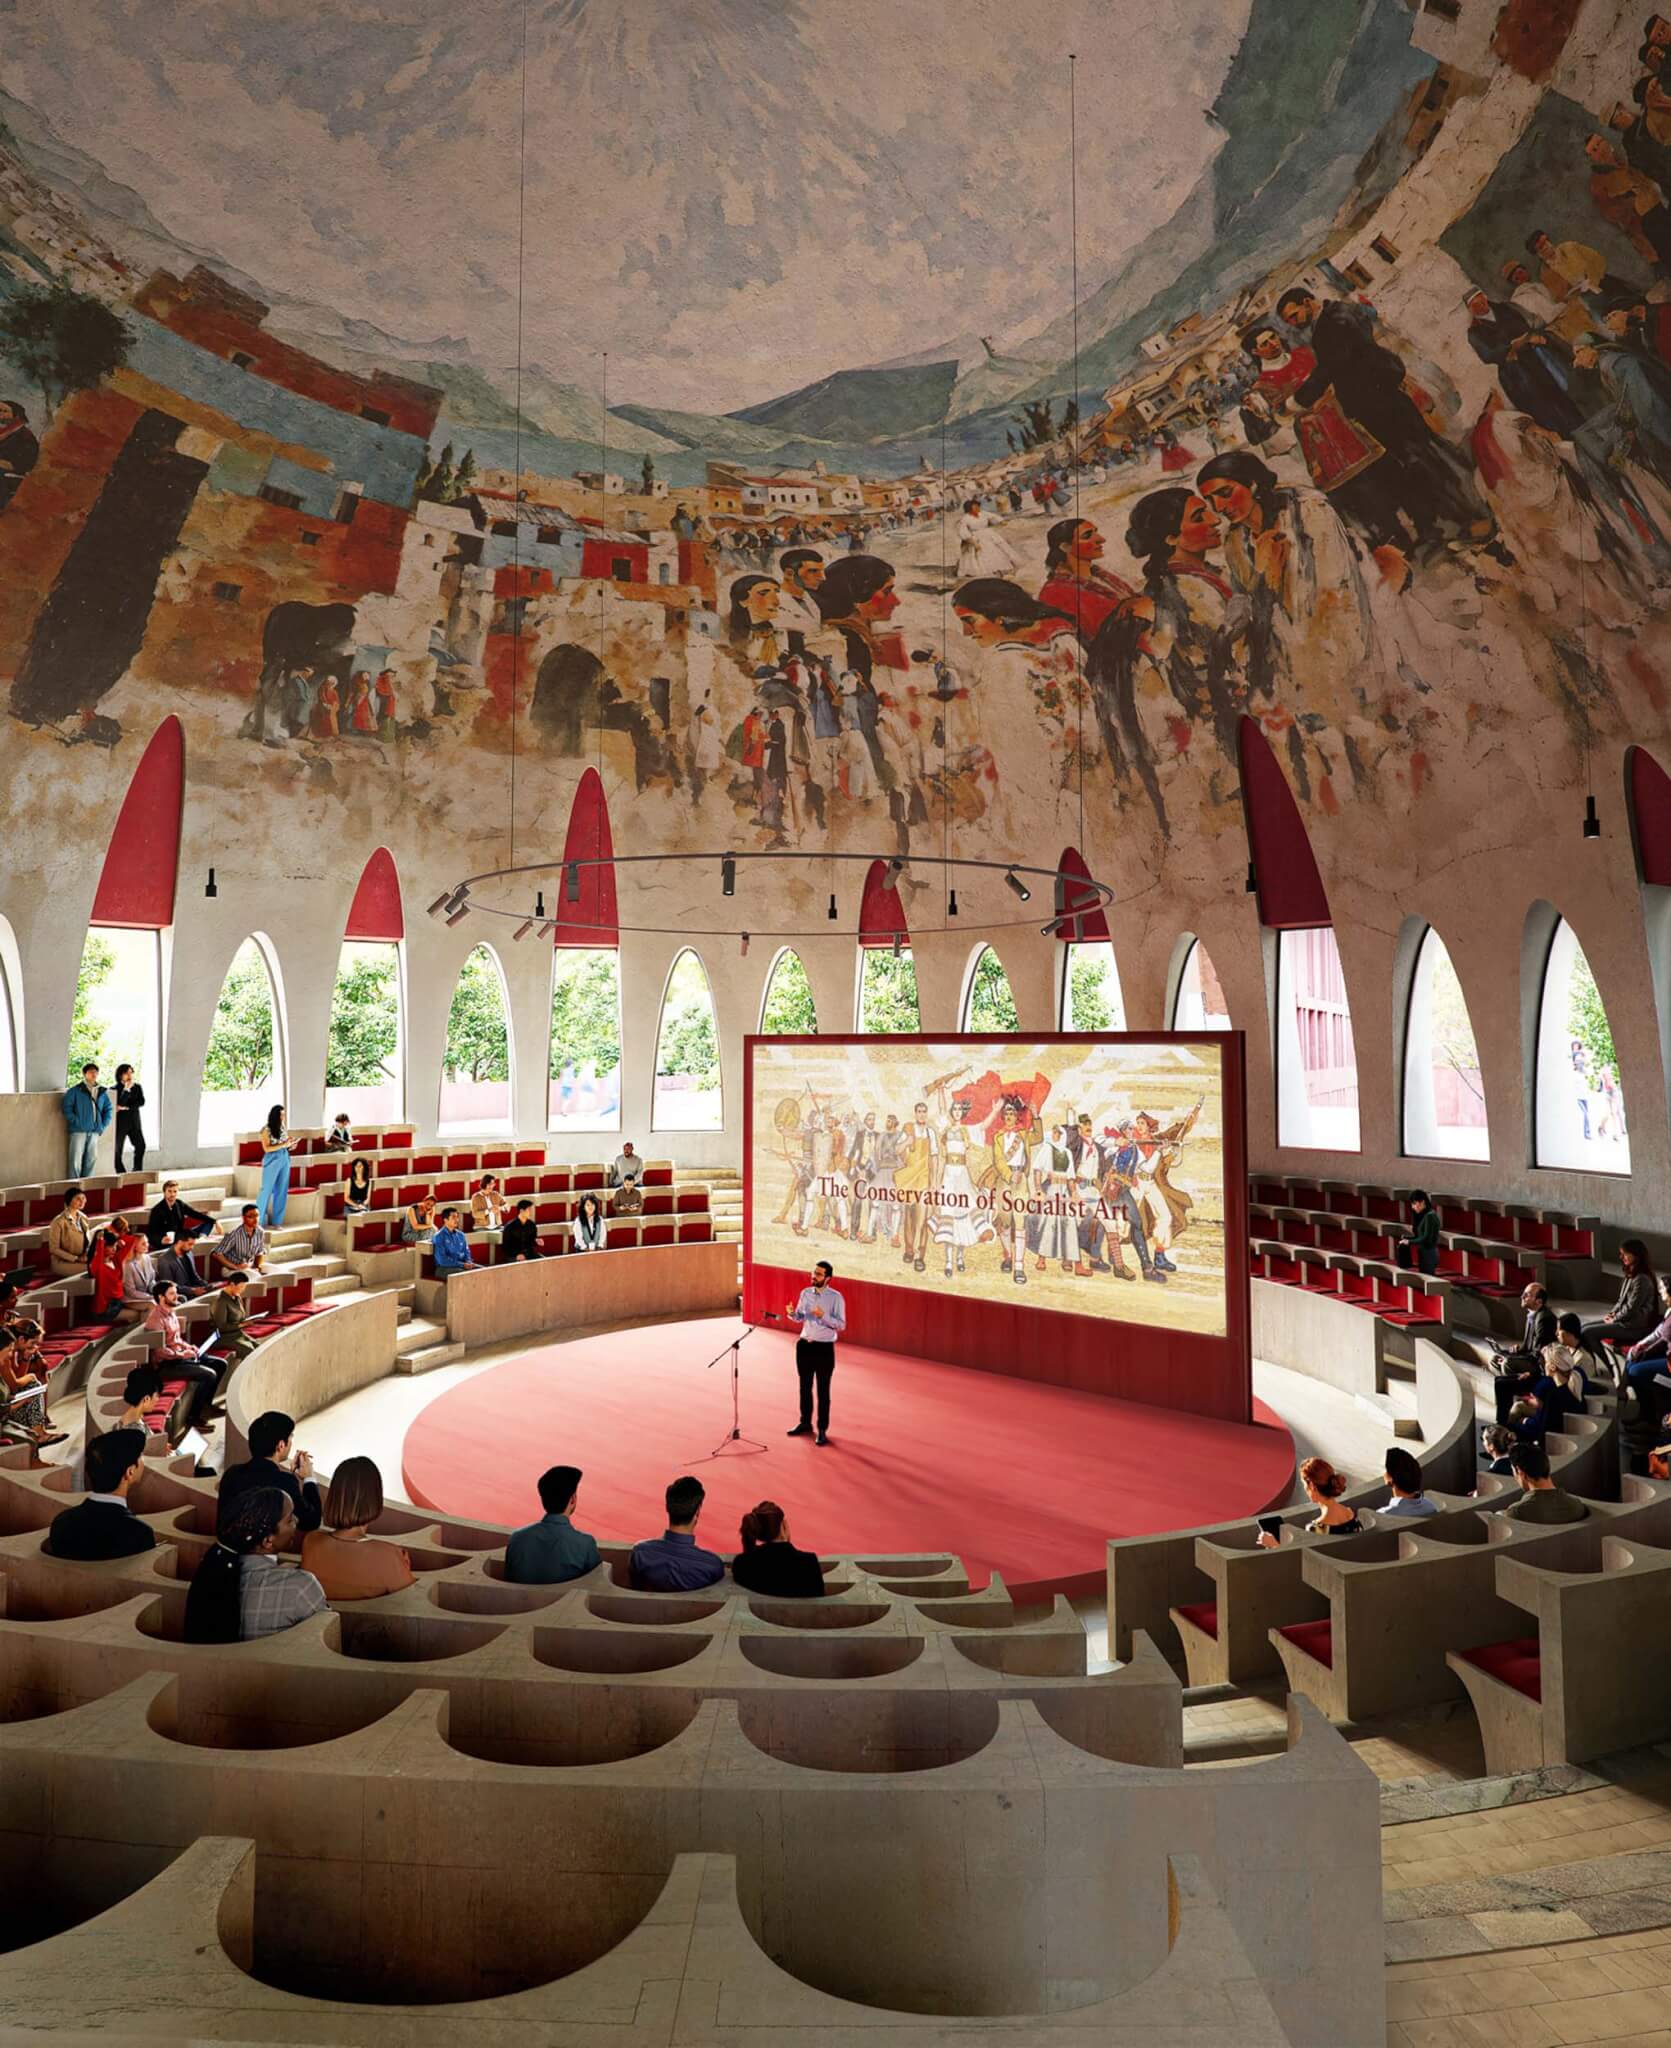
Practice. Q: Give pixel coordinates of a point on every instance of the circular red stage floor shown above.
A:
(1011, 1476)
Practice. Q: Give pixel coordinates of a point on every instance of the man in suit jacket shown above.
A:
(103, 1525)
(1516, 1370)
(274, 1462)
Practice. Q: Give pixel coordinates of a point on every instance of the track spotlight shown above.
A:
(951, 904)
(458, 899)
(745, 945)
(209, 888)
(523, 929)
(728, 876)
(1013, 881)
(573, 886)
(440, 903)
(460, 914)
(833, 911)
(1251, 885)
(545, 931)
(1592, 824)
(896, 867)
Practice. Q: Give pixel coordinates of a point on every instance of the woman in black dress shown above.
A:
(130, 1100)
(769, 1563)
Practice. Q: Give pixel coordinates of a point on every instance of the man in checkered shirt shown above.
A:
(243, 1250)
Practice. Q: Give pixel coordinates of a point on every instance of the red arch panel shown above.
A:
(881, 914)
(375, 914)
(592, 919)
(1291, 892)
(136, 888)
(1650, 810)
(1082, 912)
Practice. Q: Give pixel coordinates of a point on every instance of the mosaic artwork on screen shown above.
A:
(1078, 1175)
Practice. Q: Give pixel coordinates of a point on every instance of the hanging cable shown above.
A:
(518, 596)
(1078, 467)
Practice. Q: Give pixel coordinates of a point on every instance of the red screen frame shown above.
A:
(1195, 1374)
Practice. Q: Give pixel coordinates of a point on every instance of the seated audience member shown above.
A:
(551, 1550)
(356, 1186)
(589, 1232)
(1637, 1311)
(229, 1313)
(1545, 1501)
(240, 1589)
(673, 1563)
(487, 1205)
(520, 1238)
(11, 1286)
(69, 1236)
(274, 1461)
(417, 1226)
(1496, 1442)
(23, 1387)
(106, 1268)
(172, 1227)
(103, 1525)
(142, 1396)
(179, 1356)
(769, 1563)
(1647, 1356)
(1560, 1392)
(1419, 1246)
(347, 1560)
(341, 1138)
(243, 1250)
(139, 1282)
(1526, 1418)
(624, 1177)
(1404, 1483)
(1323, 1487)
(1525, 1360)
(450, 1247)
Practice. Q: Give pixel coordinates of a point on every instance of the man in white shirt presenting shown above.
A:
(822, 1315)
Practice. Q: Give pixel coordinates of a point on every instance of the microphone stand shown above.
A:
(734, 1439)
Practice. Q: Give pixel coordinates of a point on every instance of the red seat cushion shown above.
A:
(1515, 1662)
(1316, 1638)
(1204, 1616)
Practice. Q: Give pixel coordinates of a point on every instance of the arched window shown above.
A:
(11, 1012)
(1444, 1095)
(887, 973)
(585, 1065)
(244, 1066)
(988, 1000)
(1316, 1064)
(787, 1009)
(688, 1094)
(1091, 998)
(1580, 1103)
(476, 1066)
(363, 1063)
(1199, 1004)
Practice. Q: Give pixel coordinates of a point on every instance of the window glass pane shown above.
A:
(1200, 1005)
(1317, 1068)
(888, 990)
(476, 1066)
(688, 1093)
(788, 1010)
(243, 1068)
(585, 1064)
(1580, 1106)
(989, 1003)
(363, 1052)
(1091, 998)
(1444, 1096)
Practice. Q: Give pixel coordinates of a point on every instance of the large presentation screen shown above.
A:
(1078, 1175)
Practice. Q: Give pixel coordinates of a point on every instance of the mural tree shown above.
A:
(61, 339)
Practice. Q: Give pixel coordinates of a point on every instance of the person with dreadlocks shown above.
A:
(240, 1589)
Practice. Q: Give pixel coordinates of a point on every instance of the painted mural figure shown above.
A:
(958, 1229)
(1075, 582)
(19, 449)
(1536, 373)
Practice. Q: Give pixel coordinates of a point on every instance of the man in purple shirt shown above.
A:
(673, 1563)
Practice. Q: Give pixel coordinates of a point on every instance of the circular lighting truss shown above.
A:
(1074, 897)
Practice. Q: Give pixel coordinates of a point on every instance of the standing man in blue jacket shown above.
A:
(87, 1112)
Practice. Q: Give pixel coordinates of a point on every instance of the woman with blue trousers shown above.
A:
(275, 1168)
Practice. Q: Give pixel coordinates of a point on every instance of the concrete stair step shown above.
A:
(324, 1266)
(417, 1331)
(429, 1358)
(403, 1315)
(338, 1283)
(1391, 1413)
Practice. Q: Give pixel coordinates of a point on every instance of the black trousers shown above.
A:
(128, 1132)
(815, 1363)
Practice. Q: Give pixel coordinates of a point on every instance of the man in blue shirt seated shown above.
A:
(673, 1563)
(450, 1247)
(1406, 1494)
(552, 1549)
